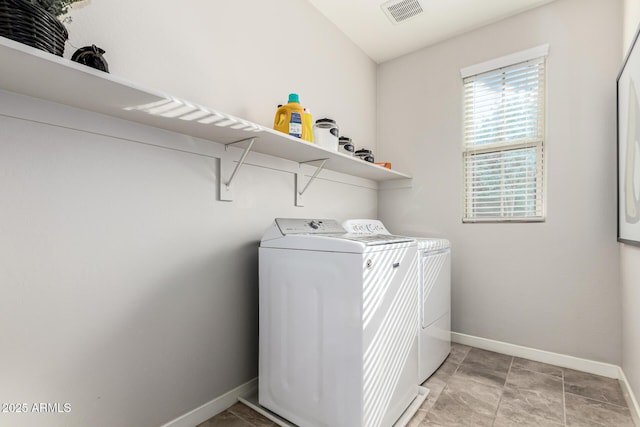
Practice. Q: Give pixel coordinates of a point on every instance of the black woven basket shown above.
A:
(32, 25)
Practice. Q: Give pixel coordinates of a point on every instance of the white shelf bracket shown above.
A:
(299, 201)
(226, 165)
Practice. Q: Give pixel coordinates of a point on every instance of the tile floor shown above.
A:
(477, 388)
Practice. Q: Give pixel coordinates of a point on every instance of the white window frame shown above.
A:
(497, 66)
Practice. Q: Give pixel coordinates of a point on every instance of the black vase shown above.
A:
(91, 56)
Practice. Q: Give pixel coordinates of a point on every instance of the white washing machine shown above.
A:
(435, 295)
(338, 337)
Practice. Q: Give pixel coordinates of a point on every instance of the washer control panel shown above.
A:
(365, 226)
(309, 226)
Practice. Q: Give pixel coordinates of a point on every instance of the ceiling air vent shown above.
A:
(400, 10)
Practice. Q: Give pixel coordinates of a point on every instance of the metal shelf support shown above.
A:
(299, 201)
(226, 165)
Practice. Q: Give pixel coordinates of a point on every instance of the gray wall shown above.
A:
(128, 290)
(629, 255)
(552, 285)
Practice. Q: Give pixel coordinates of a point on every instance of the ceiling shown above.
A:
(364, 21)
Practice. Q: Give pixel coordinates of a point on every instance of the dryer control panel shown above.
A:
(365, 226)
(309, 226)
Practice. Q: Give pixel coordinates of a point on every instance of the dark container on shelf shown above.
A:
(346, 146)
(32, 25)
(365, 155)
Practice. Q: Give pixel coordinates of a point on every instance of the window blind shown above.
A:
(503, 150)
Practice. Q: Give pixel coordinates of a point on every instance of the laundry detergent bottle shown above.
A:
(307, 126)
(289, 117)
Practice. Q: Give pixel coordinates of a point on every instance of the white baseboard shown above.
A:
(584, 365)
(571, 362)
(214, 407)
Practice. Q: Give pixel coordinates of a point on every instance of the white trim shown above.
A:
(632, 402)
(562, 360)
(214, 407)
(504, 61)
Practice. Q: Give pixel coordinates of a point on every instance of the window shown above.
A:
(503, 149)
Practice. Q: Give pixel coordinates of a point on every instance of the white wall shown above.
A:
(630, 255)
(551, 285)
(242, 57)
(128, 290)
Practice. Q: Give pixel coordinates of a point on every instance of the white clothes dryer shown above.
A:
(434, 340)
(338, 343)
